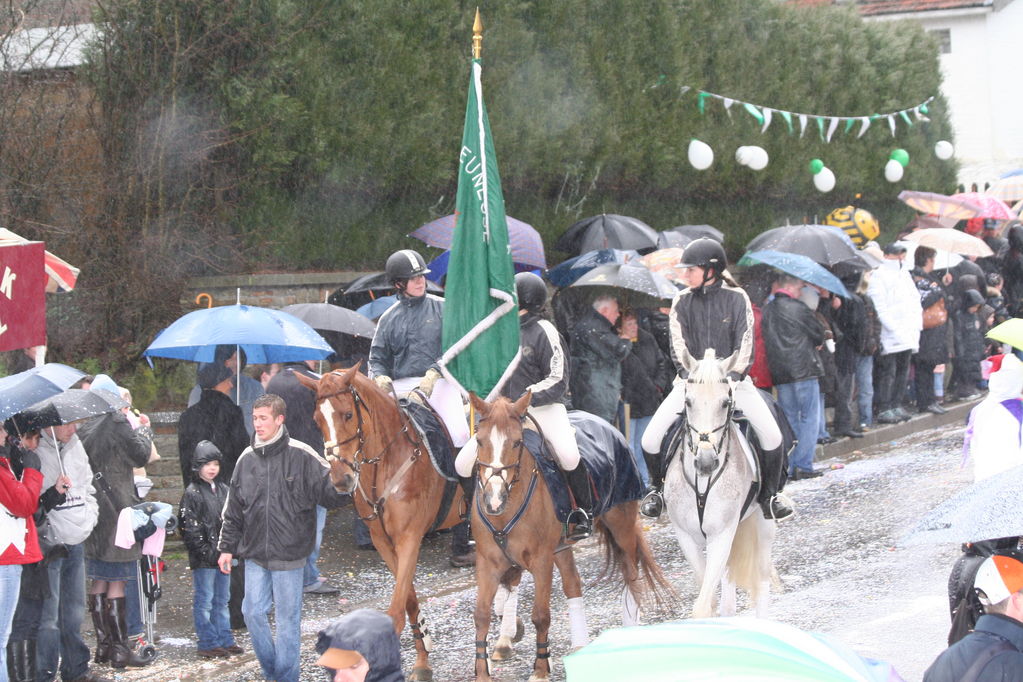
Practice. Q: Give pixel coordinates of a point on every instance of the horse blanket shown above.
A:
(607, 457)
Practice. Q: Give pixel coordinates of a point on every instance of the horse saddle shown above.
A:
(434, 435)
(607, 457)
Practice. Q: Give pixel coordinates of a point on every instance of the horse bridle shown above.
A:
(332, 453)
(704, 437)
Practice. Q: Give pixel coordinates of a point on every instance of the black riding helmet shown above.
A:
(705, 253)
(404, 265)
(531, 291)
(205, 452)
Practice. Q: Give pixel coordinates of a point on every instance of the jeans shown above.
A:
(865, 388)
(10, 588)
(800, 401)
(636, 429)
(209, 608)
(891, 372)
(311, 574)
(822, 419)
(281, 590)
(60, 636)
(361, 531)
(924, 378)
(132, 606)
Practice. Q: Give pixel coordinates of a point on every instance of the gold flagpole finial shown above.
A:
(477, 35)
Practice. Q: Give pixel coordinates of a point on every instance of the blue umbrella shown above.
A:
(799, 266)
(265, 335)
(23, 389)
(564, 274)
(375, 308)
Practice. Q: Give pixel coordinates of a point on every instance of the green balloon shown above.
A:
(900, 155)
(816, 166)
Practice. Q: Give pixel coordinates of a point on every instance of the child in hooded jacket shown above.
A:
(200, 522)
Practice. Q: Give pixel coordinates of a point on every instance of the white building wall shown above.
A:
(983, 85)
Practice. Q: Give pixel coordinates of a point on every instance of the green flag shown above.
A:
(481, 328)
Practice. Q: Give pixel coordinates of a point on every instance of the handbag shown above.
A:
(935, 314)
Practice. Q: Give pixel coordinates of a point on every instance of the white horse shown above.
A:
(706, 488)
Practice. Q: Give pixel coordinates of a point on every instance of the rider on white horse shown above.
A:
(543, 369)
(711, 313)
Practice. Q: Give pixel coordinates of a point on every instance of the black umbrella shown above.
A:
(364, 289)
(23, 389)
(70, 406)
(669, 239)
(329, 317)
(607, 231)
(692, 232)
(823, 244)
(633, 285)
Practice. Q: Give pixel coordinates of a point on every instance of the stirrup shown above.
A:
(652, 504)
(776, 507)
(583, 525)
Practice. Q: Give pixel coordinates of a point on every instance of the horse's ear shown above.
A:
(351, 372)
(310, 383)
(481, 406)
(522, 404)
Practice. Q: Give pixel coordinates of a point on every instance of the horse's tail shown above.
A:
(654, 584)
(749, 564)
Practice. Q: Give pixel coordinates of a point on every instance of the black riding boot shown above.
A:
(122, 652)
(653, 503)
(21, 660)
(468, 487)
(96, 603)
(579, 482)
(772, 472)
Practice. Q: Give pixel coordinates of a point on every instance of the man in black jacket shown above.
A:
(792, 335)
(215, 418)
(994, 650)
(301, 404)
(270, 521)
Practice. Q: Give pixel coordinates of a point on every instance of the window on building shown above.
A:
(944, 38)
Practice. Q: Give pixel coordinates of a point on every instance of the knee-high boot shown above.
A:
(96, 603)
(772, 479)
(579, 482)
(21, 660)
(121, 652)
(653, 503)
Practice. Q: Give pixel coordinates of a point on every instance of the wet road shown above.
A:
(841, 569)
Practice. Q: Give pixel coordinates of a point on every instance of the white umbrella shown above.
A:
(990, 508)
(947, 239)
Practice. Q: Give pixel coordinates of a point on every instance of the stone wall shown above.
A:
(266, 290)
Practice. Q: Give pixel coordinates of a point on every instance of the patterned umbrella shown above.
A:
(991, 207)
(525, 242)
(940, 205)
(724, 650)
(60, 275)
(1008, 188)
(666, 262)
(990, 508)
(633, 285)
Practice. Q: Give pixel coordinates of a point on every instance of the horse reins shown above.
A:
(704, 437)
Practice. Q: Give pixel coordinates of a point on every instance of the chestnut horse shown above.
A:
(516, 528)
(375, 453)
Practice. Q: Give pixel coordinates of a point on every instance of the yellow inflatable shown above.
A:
(859, 224)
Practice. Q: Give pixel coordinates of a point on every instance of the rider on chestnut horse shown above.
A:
(713, 314)
(543, 369)
(403, 360)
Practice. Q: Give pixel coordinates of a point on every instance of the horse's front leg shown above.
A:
(506, 605)
(572, 585)
(487, 579)
(421, 636)
(404, 601)
(718, 548)
(543, 575)
(728, 605)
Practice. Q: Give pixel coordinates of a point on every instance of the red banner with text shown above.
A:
(22, 296)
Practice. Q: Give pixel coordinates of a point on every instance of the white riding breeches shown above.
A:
(747, 398)
(446, 400)
(553, 422)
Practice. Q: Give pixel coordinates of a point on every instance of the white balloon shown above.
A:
(944, 150)
(893, 171)
(742, 155)
(757, 158)
(701, 156)
(825, 180)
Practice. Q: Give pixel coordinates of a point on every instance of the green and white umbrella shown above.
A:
(722, 649)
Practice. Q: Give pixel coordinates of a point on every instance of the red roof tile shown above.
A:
(871, 7)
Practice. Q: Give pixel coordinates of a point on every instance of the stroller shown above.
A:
(149, 575)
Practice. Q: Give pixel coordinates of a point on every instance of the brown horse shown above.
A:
(376, 454)
(515, 527)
